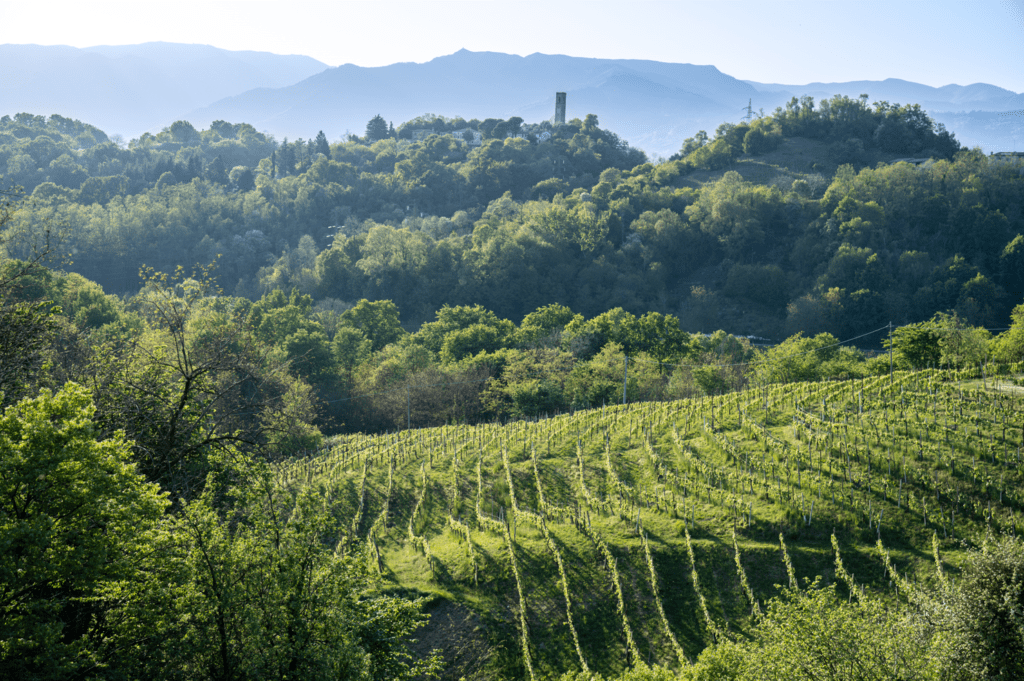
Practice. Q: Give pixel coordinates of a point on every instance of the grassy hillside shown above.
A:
(605, 537)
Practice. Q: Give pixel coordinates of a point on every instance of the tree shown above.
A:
(660, 336)
(614, 326)
(350, 348)
(1010, 343)
(251, 587)
(376, 129)
(796, 359)
(545, 324)
(692, 144)
(75, 521)
(27, 329)
(216, 171)
(916, 346)
(321, 145)
(433, 335)
(310, 355)
(961, 344)
(28, 323)
(811, 634)
(198, 388)
(185, 134)
(285, 158)
(1011, 267)
(242, 178)
(985, 612)
(532, 382)
(377, 320)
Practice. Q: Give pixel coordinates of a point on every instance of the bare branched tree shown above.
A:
(197, 391)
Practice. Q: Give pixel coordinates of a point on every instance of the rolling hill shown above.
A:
(605, 537)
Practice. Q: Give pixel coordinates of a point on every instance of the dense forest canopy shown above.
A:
(539, 214)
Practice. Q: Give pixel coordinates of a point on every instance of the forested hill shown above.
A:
(800, 220)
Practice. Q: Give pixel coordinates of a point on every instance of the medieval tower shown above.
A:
(559, 107)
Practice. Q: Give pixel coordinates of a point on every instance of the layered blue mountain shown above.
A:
(131, 89)
(648, 103)
(653, 105)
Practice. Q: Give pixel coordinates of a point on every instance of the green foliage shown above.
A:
(813, 634)
(587, 337)
(960, 343)
(76, 520)
(631, 238)
(1009, 345)
(985, 616)
(464, 330)
(532, 382)
(259, 595)
(764, 284)
(738, 214)
(376, 320)
(545, 324)
(799, 358)
(376, 129)
(916, 345)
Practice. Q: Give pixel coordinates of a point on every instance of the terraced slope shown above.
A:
(596, 539)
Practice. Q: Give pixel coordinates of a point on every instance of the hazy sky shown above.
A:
(936, 42)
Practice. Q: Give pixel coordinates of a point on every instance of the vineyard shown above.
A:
(643, 532)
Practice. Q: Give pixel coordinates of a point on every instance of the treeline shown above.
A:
(324, 368)
(852, 128)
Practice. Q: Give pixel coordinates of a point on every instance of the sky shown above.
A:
(935, 42)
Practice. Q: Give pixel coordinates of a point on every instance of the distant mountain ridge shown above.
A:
(487, 84)
(979, 113)
(653, 105)
(978, 96)
(130, 89)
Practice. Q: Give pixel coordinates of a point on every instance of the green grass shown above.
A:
(755, 472)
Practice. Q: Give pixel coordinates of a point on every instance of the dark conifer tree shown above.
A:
(376, 129)
(322, 147)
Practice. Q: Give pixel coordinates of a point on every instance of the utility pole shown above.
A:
(749, 109)
(890, 353)
(625, 377)
(408, 409)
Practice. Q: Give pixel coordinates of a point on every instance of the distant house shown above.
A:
(544, 136)
(470, 136)
(912, 161)
(1013, 157)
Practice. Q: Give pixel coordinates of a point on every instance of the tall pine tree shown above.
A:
(376, 129)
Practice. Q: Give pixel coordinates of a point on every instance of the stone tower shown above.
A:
(559, 107)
